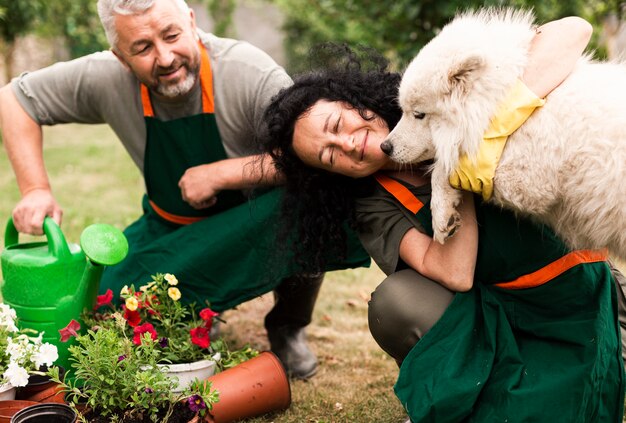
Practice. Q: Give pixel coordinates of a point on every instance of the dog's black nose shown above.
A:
(387, 147)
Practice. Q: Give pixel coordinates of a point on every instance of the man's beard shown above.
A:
(181, 87)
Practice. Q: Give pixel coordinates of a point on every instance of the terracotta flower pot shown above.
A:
(252, 388)
(42, 389)
(10, 407)
(45, 413)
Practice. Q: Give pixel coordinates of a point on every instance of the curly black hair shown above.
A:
(318, 204)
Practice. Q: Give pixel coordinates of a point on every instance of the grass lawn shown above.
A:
(95, 181)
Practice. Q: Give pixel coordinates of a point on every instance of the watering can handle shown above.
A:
(57, 245)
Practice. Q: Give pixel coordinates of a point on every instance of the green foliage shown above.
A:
(221, 11)
(77, 22)
(400, 28)
(231, 358)
(18, 17)
(115, 377)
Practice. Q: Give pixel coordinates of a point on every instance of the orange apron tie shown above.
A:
(400, 192)
(554, 269)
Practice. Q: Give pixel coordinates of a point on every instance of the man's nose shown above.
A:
(164, 57)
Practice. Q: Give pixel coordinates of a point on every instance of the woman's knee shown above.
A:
(403, 308)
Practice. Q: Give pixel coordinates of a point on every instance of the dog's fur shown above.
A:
(566, 166)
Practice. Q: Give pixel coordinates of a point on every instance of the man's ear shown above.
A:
(121, 59)
(463, 73)
(192, 17)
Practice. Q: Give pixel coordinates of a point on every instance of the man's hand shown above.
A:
(35, 205)
(200, 185)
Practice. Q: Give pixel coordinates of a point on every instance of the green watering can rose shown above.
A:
(50, 283)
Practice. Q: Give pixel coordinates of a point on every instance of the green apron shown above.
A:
(535, 340)
(224, 254)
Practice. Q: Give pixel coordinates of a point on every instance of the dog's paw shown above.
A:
(445, 226)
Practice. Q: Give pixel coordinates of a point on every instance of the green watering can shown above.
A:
(50, 283)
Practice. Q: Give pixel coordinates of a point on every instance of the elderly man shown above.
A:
(186, 106)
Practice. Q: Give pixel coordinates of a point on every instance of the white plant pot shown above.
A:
(7, 392)
(185, 373)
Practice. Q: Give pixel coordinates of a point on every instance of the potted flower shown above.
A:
(181, 333)
(22, 352)
(115, 379)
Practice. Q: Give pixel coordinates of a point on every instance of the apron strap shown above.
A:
(174, 218)
(206, 82)
(554, 269)
(400, 192)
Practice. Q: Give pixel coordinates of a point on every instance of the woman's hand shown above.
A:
(554, 52)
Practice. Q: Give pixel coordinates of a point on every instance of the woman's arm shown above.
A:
(554, 52)
(451, 264)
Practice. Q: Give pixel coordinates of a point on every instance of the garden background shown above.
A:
(95, 181)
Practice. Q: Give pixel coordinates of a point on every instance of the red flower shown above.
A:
(207, 315)
(69, 330)
(140, 330)
(200, 337)
(103, 300)
(132, 317)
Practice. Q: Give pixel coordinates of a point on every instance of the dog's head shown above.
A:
(453, 86)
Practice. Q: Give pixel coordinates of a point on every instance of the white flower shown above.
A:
(47, 355)
(7, 318)
(16, 375)
(17, 348)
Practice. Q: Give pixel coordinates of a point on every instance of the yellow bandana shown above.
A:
(476, 174)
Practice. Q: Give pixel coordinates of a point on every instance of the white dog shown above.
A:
(566, 165)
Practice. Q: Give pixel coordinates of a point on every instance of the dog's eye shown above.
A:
(419, 115)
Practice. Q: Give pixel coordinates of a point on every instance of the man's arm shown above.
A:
(200, 185)
(23, 141)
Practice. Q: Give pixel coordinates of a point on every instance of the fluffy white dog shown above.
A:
(566, 165)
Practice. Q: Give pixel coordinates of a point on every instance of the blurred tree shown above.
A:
(221, 12)
(77, 22)
(17, 17)
(400, 28)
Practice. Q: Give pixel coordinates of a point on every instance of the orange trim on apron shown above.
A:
(400, 192)
(174, 218)
(530, 280)
(554, 269)
(206, 81)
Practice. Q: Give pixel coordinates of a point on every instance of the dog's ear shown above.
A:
(464, 72)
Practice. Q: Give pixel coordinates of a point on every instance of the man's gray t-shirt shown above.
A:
(98, 89)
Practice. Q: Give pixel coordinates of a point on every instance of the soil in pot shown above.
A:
(181, 414)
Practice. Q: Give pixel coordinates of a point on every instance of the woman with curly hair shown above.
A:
(500, 323)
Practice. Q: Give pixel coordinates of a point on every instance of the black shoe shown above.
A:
(289, 345)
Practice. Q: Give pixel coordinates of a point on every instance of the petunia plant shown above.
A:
(181, 333)
(115, 377)
(22, 353)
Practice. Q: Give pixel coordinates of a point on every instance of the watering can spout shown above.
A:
(103, 245)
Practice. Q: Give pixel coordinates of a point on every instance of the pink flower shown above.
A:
(132, 317)
(70, 330)
(104, 299)
(140, 330)
(200, 337)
